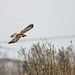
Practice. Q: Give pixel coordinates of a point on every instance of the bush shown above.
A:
(46, 60)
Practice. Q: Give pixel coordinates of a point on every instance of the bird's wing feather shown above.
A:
(26, 29)
(14, 40)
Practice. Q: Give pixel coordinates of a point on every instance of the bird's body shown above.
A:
(16, 36)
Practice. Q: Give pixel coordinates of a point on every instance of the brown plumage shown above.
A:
(21, 34)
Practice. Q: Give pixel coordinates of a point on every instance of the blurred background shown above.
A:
(53, 20)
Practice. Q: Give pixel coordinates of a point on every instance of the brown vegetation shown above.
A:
(46, 60)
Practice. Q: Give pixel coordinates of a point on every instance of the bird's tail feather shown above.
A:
(13, 35)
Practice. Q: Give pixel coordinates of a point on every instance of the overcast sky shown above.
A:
(51, 18)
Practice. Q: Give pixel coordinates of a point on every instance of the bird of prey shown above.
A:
(17, 36)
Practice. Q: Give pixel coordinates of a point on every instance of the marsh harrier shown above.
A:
(16, 36)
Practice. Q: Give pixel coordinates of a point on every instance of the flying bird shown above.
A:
(17, 36)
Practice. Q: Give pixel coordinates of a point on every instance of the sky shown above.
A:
(51, 18)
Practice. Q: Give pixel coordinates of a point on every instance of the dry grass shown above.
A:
(44, 60)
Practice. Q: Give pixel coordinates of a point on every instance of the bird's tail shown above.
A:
(13, 35)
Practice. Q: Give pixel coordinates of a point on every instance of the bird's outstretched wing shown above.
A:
(14, 40)
(29, 27)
